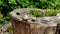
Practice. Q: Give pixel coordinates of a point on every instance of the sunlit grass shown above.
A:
(49, 12)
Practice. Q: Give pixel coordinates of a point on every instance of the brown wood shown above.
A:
(25, 28)
(58, 29)
(24, 23)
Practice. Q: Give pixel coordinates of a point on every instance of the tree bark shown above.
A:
(26, 28)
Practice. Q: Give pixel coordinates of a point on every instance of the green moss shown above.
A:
(10, 29)
(36, 13)
(2, 20)
(52, 12)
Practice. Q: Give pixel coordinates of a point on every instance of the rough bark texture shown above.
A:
(24, 23)
(26, 28)
(58, 29)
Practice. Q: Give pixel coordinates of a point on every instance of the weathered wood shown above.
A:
(27, 24)
(58, 29)
(25, 28)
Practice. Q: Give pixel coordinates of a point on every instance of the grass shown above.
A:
(52, 12)
(37, 13)
(10, 29)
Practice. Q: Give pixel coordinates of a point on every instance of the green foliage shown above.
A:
(12, 2)
(2, 20)
(36, 13)
(7, 18)
(10, 29)
(52, 12)
(8, 5)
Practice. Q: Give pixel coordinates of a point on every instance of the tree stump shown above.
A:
(31, 24)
